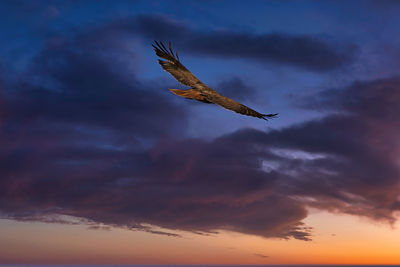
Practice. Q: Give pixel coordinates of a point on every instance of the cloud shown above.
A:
(99, 227)
(77, 82)
(81, 105)
(359, 173)
(260, 255)
(306, 52)
(236, 88)
(303, 51)
(83, 137)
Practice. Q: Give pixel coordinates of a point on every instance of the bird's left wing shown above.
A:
(175, 67)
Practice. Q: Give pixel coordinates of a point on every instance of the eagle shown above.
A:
(199, 91)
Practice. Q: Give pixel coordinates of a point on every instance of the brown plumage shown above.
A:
(199, 91)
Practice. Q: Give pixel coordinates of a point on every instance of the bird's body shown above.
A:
(199, 91)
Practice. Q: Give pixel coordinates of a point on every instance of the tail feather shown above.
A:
(191, 94)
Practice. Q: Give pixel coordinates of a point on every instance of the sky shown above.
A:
(101, 164)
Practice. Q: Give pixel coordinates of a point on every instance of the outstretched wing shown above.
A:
(235, 106)
(175, 67)
(184, 76)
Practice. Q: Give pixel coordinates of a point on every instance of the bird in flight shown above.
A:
(199, 91)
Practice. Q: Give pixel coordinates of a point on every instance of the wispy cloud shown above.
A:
(260, 255)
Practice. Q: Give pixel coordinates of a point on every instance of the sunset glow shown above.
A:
(339, 239)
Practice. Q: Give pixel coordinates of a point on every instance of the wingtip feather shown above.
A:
(267, 117)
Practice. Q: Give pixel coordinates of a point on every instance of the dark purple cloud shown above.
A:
(304, 51)
(82, 136)
(361, 146)
(247, 181)
(75, 136)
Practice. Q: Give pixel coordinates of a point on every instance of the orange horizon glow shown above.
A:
(337, 240)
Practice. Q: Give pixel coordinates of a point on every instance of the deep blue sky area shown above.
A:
(89, 129)
(365, 26)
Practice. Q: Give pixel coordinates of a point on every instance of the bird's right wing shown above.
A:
(175, 67)
(235, 106)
